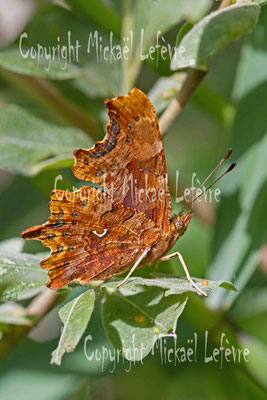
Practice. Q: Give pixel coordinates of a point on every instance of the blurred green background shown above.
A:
(225, 240)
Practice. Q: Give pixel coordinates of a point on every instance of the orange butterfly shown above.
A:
(95, 233)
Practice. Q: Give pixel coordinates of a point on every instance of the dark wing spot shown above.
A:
(103, 148)
(85, 161)
(73, 222)
(98, 152)
(75, 214)
(59, 249)
(113, 133)
(129, 126)
(50, 236)
(99, 172)
(58, 223)
(113, 166)
(65, 234)
(128, 139)
(136, 118)
(71, 247)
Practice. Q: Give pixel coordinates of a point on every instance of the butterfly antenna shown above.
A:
(229, 152)
(220, 177)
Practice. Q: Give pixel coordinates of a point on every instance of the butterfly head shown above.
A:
(181, 222)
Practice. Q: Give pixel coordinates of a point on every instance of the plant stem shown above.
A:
(125, 32)
(190, 84)
(42, 303)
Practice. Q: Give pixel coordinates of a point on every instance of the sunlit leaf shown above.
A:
(134, 322)
(20, 276)
(214, 32)
(172, 284)
(75, 316)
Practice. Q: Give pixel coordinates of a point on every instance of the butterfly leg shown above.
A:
(135, 266)
(157, 266)
(179, 255)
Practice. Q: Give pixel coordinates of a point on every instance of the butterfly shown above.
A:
(125, 220)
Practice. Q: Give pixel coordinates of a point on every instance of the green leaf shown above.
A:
(20, 276)
(28, 144)
(252, 67)
(171, 283)
(98, 12)
(187, 26)
(252, 302)
(14, 245)
(241, 227)
(155, 16)
(213, 32)
(75, 316)
(257, 358)
(94, 78)
(261, 2)
(134, 323)
(99, 80)
(145, 22)
(12, 313)
(12, 60)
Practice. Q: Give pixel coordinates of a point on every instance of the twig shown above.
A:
(125, 30)
(190, 84)
(263, 259)
(42, 303)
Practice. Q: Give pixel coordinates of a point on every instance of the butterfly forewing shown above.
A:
(129, 163)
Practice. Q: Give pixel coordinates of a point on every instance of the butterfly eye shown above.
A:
(180, 223)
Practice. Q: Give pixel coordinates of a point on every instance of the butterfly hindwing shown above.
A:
(90, 236)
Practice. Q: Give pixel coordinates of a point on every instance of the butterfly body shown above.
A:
(165, 242)
(96, 234)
